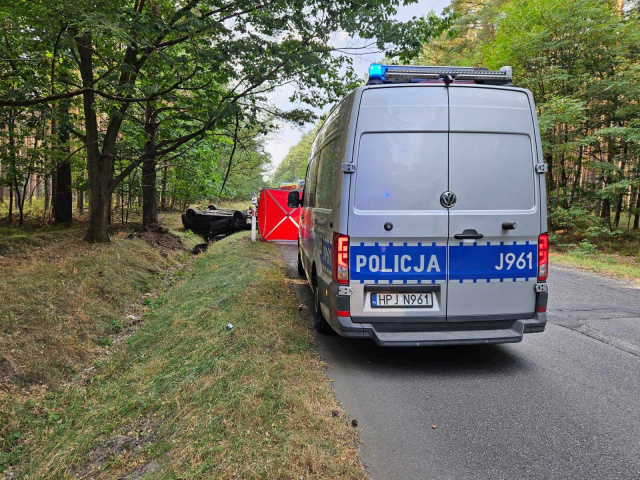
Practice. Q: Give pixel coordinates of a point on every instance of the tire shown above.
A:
(301, 271)
(212, 207)
(191, 214)
(320, 324)
(186, 223)
(239, 219)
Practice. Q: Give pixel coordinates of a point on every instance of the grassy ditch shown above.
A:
(184, 397)
(63, 303)
(62, 299)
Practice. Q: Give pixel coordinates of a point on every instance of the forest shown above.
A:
(143, 106)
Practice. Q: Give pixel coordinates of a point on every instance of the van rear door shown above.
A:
(492, 147)
(398, 229)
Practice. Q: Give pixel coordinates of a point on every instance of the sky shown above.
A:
(279, 143)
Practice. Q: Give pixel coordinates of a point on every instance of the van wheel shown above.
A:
(300, 266)
(321, 325)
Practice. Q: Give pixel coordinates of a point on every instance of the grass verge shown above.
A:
(61, 298)
(619, 266)
(64, 302)
(184, 397)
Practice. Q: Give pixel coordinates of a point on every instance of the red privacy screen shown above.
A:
(275, 219)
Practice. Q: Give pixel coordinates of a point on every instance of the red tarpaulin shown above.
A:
(276, 220)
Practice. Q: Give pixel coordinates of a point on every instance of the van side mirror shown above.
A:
(294, 199)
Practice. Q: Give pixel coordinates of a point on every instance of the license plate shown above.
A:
(402, 300)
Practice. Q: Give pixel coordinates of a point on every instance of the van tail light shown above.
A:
(341, 258)
(543, 257)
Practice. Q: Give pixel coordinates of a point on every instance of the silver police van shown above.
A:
(424, 212)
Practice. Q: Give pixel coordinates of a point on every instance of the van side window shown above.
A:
(327, 175)
(310, 183)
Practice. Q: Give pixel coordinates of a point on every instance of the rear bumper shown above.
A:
(399, 334)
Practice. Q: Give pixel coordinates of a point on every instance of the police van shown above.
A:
(423, 215)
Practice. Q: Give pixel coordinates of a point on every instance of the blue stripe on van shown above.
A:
(427, 263)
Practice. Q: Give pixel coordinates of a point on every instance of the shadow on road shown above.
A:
(476, 360)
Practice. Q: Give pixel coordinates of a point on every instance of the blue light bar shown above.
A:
(417, 73)
(376, 73)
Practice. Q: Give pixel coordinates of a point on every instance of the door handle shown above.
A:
(468, 234)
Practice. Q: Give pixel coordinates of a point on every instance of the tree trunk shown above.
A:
(636, 220)
(548, 158)
(99, 164)
(11, 203)
(621, 175)
(163, 192)
(11, 174)
(109, 209)
(63, 201)
(149, 200)
(80, 201)
(2, 167)
(577, 177)
(605, 214)
(47, 195)
(616, 221)
(19, 200)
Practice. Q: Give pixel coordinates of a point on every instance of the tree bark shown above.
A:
(12, 170)
(149, 200)
(47, 194)
(98, 163)
(80, 201)
(621, 175)
(163, 192)
(10, 216)
(63, 201)
(636, 220)
(2, 167)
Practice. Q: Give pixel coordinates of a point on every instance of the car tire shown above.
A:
(300, 266)
(320, 324)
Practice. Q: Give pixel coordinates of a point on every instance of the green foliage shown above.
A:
(294, 165)
(580, 59)
(574, 218)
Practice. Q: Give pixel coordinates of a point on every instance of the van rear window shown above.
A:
(401, 171)
(491, 171)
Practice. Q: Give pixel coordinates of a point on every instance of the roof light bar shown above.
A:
(406, 74)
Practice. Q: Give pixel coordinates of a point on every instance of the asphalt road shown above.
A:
(561, 404)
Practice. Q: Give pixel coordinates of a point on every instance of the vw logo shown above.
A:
(448, 199)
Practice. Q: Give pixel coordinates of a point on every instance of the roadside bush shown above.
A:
(601, 232)
(585, 248)
(572, 219)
